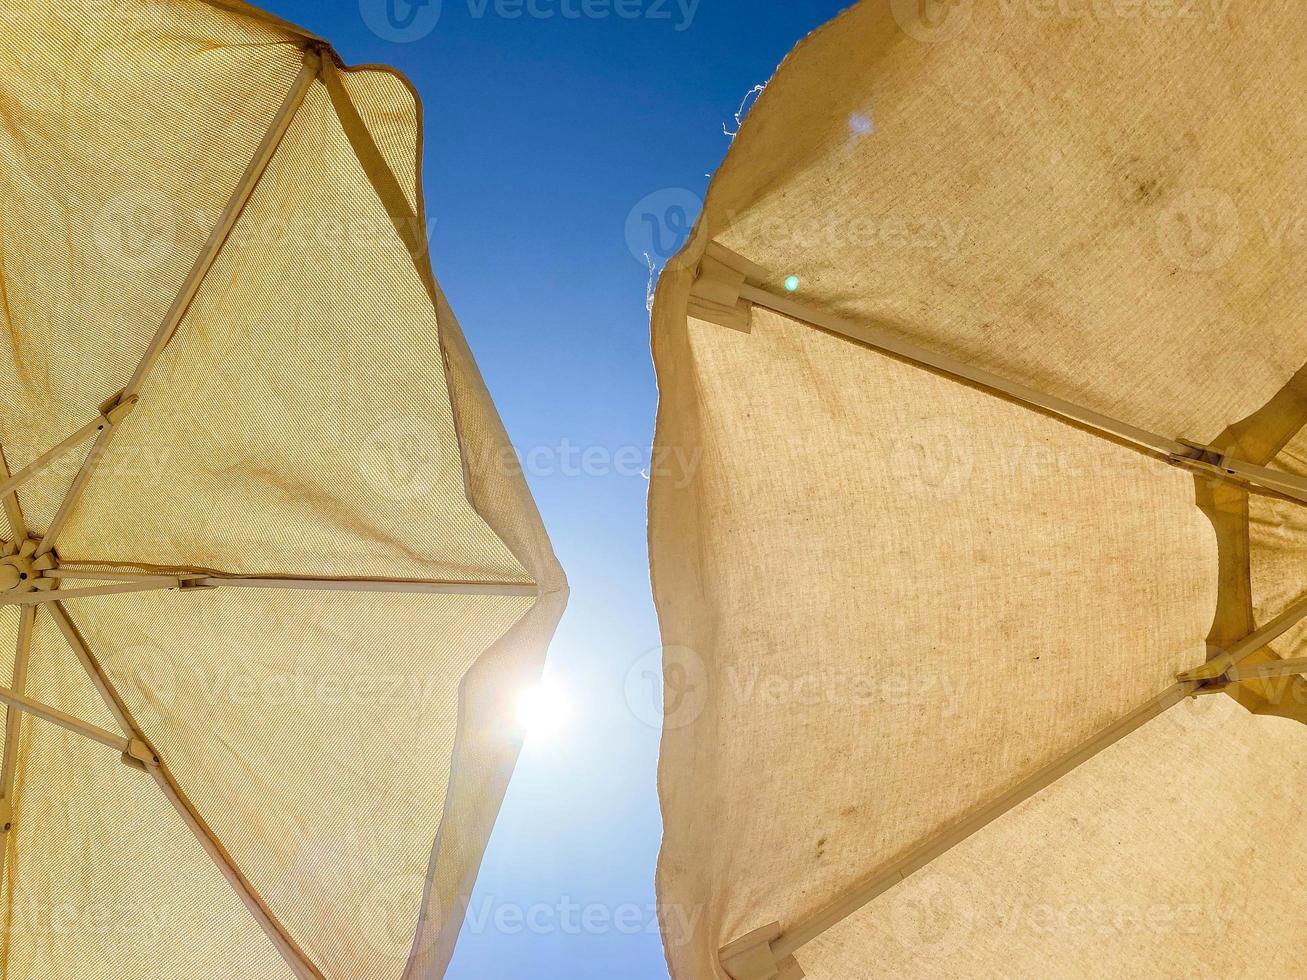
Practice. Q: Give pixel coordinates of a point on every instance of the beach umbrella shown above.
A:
(272, 581)
(983, 602)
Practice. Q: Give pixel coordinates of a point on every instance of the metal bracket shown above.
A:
(752, 958)
(1200, 457)
(1209, 461)
(118, 408)
(1219, 667)
(196, 584)
(139, 755)
(715, 295)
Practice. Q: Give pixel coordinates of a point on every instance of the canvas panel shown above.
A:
(114, 179)
(1059, 193)
(1278, 556)
(303, 400)
(103, 879)
(314, 732)
(1152, 861)
(483, 757)
(313, 416)
(908, 581)
(1056, 198)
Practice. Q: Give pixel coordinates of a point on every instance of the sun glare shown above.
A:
(543, 711)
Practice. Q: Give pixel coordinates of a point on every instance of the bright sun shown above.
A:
(544, 710)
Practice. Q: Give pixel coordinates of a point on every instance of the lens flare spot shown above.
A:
(543, 711)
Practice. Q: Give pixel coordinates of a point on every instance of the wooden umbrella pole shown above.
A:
(190, 288)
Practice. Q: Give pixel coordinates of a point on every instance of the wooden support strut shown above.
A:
(113, 412)
(728, 284)
(36, 709)
(120, 588)
(763, 958)
(1220, 666)
(1279, 668)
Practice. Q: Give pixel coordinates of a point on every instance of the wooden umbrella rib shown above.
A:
(190, 288)
(21, 704)
(13, 510)
(13, 728)
(778, 950)
(208, 840)
(1201, 460)
(13, 723)
(395, 586)
(804, 932)
(152, 581)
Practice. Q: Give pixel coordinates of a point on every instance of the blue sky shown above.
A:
(548, 122)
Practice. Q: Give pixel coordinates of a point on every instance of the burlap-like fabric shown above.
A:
(318, 414)
(888, 597)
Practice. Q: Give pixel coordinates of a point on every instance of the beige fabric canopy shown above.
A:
(991, 577)
(267, 544)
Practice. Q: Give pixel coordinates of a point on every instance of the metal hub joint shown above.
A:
(20, 571)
